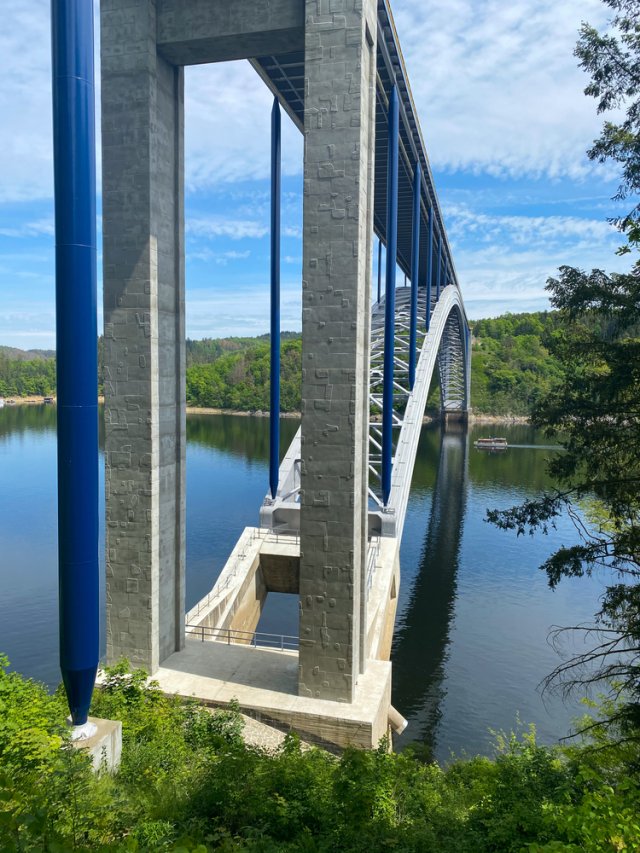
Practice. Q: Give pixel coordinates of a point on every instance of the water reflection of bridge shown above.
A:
(421, 636)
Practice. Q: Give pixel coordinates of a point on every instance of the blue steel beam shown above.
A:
(429, 269)
(274, 409)
(390, 294)
(76, 348)
(415, 269)
(379, 269)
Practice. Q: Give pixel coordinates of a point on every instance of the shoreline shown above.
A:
(196, 410)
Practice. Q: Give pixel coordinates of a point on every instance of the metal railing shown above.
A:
(288, 537)
(256, 639)
(232, 571)
(372, 559)
(221, 586)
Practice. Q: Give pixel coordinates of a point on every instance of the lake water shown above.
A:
(474, 611)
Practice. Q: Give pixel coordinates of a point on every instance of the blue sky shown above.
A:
(503, 114)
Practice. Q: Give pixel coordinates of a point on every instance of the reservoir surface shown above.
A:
(474, 610)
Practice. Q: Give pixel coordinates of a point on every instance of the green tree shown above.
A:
(594, 410)
(613, 61)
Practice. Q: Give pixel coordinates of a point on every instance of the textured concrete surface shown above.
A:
(143, 44)
(143, 242)
(105, 747)
(265, 682)
(204, 31)
(338, 198)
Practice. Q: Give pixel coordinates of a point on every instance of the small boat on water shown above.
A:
(491, 443)
(49, 401)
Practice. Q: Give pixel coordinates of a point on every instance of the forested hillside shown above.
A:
(511, 368)
(239, 378)
(26, 374)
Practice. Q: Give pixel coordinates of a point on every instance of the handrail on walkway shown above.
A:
(284, 642)
(264, 534)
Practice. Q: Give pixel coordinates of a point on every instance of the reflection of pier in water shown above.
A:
(421, 635)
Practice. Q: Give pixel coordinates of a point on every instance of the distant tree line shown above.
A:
(239, 378)
(24, 377)
(512, 368)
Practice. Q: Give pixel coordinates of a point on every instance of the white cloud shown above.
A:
(220, 226)
(467, 224)
(25, 101)
(292, 231)
(241, 311)
(503, 262)
(29, 229)
(228, 127)
(498, 93)
(221, 258)
(496, 85)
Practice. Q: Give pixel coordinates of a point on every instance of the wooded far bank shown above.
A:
(511, 368)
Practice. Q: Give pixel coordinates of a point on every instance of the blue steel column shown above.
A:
(379, 268)
(390, 294)
(274, 409)
(429, 270)
(76, 348)
(439, 270)
(415, 269)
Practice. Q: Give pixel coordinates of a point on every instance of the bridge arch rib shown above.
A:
(445, 347)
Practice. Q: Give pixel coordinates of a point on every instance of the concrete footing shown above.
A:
(264, 682)
(105, 746)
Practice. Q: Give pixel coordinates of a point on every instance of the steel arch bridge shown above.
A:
(336, 68)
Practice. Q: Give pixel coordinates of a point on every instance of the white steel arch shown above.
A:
(445, 344)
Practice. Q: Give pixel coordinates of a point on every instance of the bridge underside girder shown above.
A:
(272, 35)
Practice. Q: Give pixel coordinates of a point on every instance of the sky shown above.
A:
(506, 124)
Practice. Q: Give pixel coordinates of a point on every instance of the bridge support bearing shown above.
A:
(340, 66)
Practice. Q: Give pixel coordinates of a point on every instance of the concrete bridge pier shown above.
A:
(336, 67)
(340, 66)
(144, 387)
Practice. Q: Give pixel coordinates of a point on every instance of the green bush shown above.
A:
(188, 782)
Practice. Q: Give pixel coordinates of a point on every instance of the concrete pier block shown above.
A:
(105, 746)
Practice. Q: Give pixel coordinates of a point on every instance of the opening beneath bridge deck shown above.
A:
(227, 257)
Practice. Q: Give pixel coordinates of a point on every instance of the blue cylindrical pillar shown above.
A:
(415, 268)
(390, 294)
(76, 348)
(274, 408)
(379, 269)
(429, 269)
(439, 270)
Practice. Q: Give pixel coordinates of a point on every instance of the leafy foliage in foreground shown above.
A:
(594, 410)
(188, 783)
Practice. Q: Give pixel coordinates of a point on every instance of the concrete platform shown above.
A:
(265, 682)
